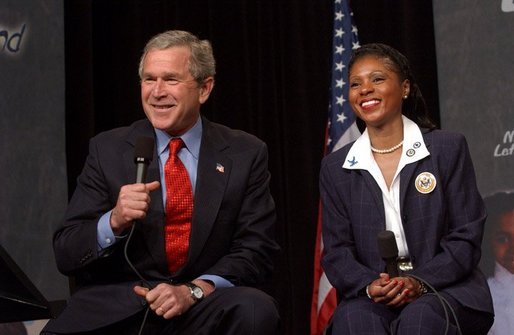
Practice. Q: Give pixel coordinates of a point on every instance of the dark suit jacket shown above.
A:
(443, 228)
(231, 235)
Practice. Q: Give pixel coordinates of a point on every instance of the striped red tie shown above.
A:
(179, 208)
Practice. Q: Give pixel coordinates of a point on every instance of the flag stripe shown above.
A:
(341, 129)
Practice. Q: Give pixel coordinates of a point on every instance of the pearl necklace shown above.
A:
(387, 151)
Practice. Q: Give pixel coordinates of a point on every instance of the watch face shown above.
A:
(197, 292)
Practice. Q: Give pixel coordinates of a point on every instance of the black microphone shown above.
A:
(143, 154)
(389, 251)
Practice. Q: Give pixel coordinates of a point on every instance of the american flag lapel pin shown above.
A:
(220, 168)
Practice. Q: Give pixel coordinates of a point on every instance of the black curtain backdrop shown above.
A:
(273, 72)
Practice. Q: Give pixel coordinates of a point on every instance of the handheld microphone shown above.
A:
(143, 154)
(389, 251)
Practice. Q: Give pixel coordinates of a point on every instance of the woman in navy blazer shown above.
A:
(404, 176)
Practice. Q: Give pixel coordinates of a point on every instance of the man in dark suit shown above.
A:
(143, 256)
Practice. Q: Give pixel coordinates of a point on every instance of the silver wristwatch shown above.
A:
(196, 291)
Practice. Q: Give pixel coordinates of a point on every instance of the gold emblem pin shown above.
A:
(425, 182)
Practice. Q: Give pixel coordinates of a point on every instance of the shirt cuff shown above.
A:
(105, 236)
(217, 281)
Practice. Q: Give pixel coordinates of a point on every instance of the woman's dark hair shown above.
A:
(414, 107)
(496, 205)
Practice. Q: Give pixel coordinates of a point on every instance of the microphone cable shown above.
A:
(143, 154)
(145, 282)
(129, 262)
(444, 303)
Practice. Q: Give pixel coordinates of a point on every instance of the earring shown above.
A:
(405, 97)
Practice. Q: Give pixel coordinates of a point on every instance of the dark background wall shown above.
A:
(484, 96)
(273, 64)
(33, 164)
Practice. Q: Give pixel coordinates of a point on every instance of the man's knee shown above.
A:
(252, 305)
(236, 310)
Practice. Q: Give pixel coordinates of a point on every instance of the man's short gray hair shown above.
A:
(201, 63)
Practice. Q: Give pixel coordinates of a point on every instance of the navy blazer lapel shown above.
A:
(214, 169)
(407, 181)
(407, 174)
(376, 193)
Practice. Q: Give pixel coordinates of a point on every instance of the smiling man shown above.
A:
(205, 219)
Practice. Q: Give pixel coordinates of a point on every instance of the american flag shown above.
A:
(341, 129)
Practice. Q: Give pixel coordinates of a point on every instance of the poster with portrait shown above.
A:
(476, 80)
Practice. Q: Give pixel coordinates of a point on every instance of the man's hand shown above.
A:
(168, 300)
(132, 204)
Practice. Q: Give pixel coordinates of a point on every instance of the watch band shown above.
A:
(196, 291)
(422, 288)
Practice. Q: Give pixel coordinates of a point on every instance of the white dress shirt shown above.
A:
(361, 157)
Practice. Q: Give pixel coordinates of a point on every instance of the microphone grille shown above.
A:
(144, 148)
(387, 244)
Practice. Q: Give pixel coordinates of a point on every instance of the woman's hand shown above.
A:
(394, 292)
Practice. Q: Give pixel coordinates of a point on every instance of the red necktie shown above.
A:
(179, 208)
